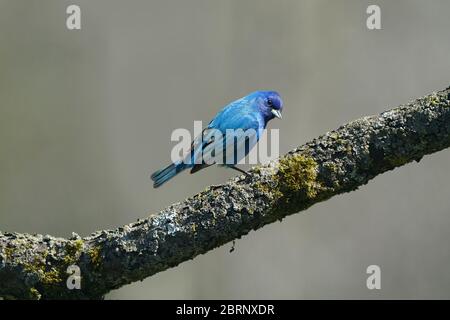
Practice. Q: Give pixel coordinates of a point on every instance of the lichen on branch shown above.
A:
(35, 266)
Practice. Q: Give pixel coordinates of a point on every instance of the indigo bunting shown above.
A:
(248, 116)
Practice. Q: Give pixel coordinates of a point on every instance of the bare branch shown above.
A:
(34, 266)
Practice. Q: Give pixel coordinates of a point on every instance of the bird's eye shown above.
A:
(269, 102)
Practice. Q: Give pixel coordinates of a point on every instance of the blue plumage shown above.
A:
(252, 112)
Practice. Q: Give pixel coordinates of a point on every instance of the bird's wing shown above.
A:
(214, 147)
(197, 146)
(231, 146)
(225, 118)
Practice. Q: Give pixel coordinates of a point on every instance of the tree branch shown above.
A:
(34, 266)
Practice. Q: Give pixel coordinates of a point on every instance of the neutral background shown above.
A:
(86, 116)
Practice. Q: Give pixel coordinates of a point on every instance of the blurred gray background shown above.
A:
(86, 116)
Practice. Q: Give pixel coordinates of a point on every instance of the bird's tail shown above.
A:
(161, 176)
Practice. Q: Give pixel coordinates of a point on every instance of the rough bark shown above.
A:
(34, 266)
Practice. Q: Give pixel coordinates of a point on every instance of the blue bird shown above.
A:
(250, 114)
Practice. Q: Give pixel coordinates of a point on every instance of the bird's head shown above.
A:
(270, 104)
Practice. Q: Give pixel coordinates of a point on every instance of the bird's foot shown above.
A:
(238, 169)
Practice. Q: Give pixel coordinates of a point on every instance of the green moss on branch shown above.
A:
(35, 266)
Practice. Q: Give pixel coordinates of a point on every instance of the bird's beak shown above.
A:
(277, 113)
